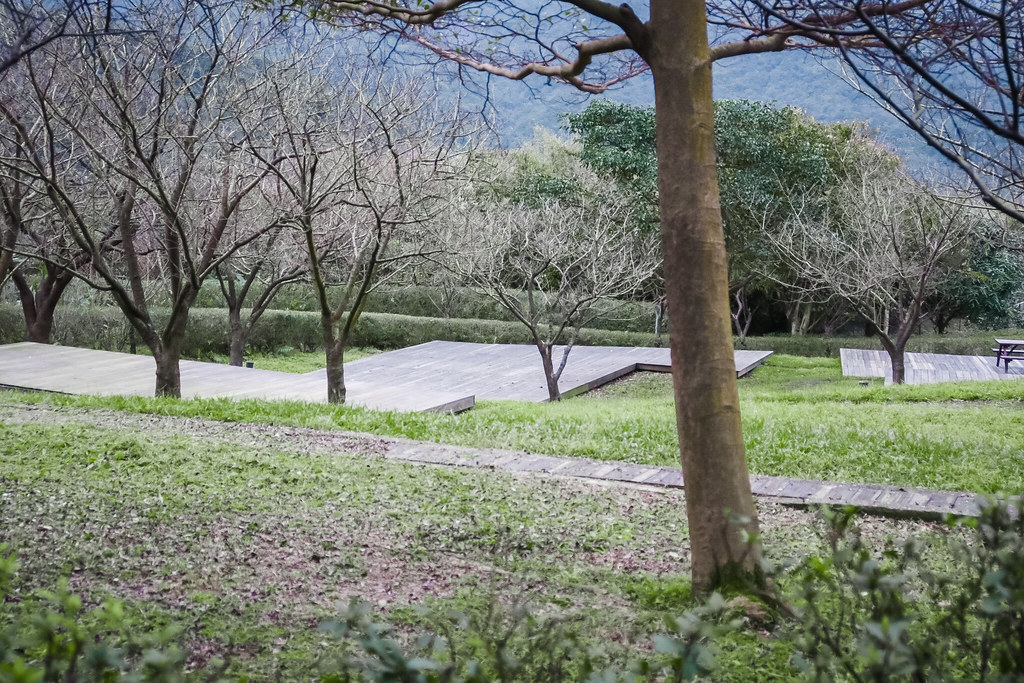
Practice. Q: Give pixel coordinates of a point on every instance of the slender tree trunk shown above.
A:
(546, 351)
(39, 307)
(720, 507)
(335, 373)
(805, 320)
(659, 315)
(9, 239)
(239, 335)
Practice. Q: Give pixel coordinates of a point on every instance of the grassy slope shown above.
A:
(246, 550)
(801, 418)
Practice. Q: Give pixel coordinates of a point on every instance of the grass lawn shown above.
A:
(299, 362)
(244, 544)
(801, 418)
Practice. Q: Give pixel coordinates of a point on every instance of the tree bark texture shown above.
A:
(168, 348)
(39, 307)
(720, 507)
(335, 373)
(239, 336)
(168, 373)
(546, 353)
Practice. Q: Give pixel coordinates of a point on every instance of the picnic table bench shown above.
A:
(1007, 350)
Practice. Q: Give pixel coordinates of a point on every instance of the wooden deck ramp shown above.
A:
(70, 370)
(434, 377)
(512, 372)
(927, 368)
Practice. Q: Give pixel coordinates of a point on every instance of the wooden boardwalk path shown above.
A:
(911, 501)
(434, 377)
(926, 368)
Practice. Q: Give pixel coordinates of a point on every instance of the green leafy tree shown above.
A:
(978, 284)
(769, 161)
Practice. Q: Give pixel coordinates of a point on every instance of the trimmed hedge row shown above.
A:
(104, 327)
(424, 301)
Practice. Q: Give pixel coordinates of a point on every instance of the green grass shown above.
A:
(801, 418)
(246, 549)
(299, 362)
(245, 542)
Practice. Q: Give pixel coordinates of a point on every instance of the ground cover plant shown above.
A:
(237, 541)
(801, 419)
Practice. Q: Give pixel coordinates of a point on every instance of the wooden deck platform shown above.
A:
(513, 371)
(432, 377)
(926, 368)
(70, 370)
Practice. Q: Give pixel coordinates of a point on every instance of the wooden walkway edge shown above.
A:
(878, 498)
(436, 376)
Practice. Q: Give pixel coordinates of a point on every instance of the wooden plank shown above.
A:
(43, 367)
(925, 368)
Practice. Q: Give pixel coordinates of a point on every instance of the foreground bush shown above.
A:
(896, 618)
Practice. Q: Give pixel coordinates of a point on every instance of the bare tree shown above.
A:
(144, 114)
(30, 25)
(364, 165)
(879, 251)
(254, 274)
(36, 250)
(550, 266)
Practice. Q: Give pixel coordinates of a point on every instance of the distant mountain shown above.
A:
(788, 78)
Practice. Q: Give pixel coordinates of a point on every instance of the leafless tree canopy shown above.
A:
(878, 249)
(952, 70)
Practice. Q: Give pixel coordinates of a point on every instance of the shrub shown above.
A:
(51, 640)
(422, 301)
(895, 618)
(104, 327)
(512, 645)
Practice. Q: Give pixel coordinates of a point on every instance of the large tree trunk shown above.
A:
(896, 348)
(168, 351)
(168, 372)
(720, 507)
(897, 359)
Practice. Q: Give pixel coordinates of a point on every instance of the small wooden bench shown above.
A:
(1008, 350)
